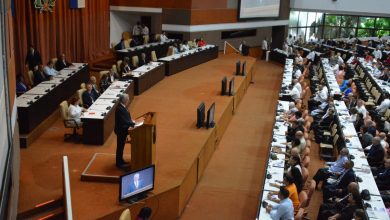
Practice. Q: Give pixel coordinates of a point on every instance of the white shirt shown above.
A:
(298, 60)
(74, 112)
(382, 108)
(340, 61)
(311, 56)
(297, 73)
(376, 72)
(185, 47)
(298, 86)
(377, 54)
(145, 31)
(289, 40)
(362, 109)
(350, 60)
(137, 30)
(50, 71)
(264, 45)
(295, 94)
(163, 38)
(322, 96)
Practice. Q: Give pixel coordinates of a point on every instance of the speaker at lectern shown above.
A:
(143, 142)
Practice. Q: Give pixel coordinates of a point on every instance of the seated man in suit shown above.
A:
(142, 61)
(62, 63)
(339, 202)
(382, 177)
(89, 96)
(376, 153)
(354, 203)
(40, 75)
(337, 187)
(335, 168)
(95, 88)
(49, 69)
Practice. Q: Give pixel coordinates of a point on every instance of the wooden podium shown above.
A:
(143, 142)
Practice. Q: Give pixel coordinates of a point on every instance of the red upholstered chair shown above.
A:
(310, 190)
(303, 199)
(305, 175)
(306, 162)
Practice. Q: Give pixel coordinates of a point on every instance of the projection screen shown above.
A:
(249, 9)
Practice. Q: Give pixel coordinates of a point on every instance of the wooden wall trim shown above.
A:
(183, 4)
(208, 4)
(213, 16)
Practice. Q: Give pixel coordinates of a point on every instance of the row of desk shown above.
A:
(99, 119)
(146, 76)
(161, 49)
(187, 59)
(361, 168)
(366, 67)
(275, 167)
(41, 101)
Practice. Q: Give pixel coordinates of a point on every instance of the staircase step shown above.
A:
(41, 208)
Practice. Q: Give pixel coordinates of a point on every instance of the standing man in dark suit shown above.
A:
(33, 58)
(123, 122)
(62, 63)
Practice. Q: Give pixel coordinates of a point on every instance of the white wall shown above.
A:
(356, 7)
(121, 21)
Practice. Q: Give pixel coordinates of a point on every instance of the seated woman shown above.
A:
(75, 111)
(295, 171)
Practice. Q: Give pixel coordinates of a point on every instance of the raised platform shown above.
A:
(101, 168)
(183, 151)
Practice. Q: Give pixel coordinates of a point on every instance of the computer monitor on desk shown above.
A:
(210, 117)
(238, 68)
(200, 115)
(134, 186)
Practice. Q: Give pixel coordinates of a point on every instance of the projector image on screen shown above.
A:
(259, 8)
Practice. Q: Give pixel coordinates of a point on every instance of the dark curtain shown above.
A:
(82, 34)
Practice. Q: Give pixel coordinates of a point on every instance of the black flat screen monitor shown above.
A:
(134, 186)
(238, 67)
(210, 116)
(200, 112)
(224, 86)
(231, 87)
(243, 68)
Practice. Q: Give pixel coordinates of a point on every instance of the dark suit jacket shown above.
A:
(133, 188)
(61, 64)
(122, 120)
(346, 179)
(142, 62)
(33, 59)
(375, 155)
(88, 98)
(39, 76)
